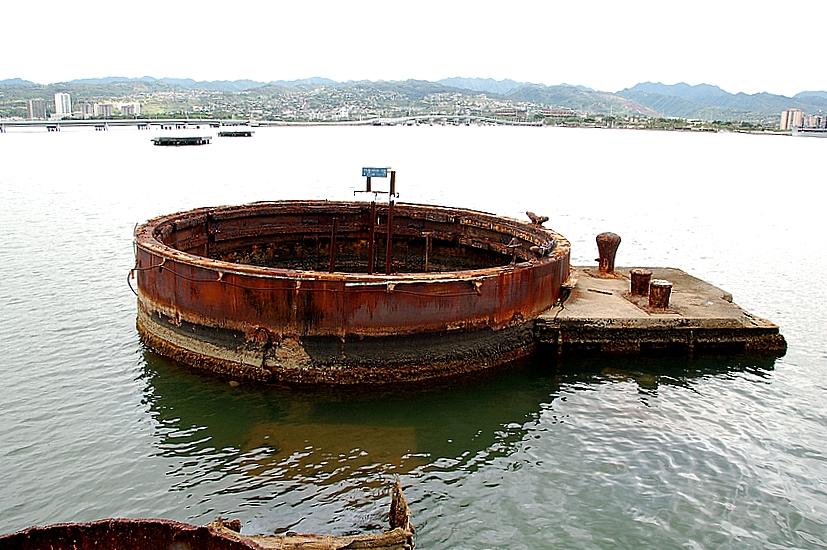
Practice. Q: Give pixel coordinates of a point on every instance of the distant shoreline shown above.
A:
(169, 124)
(327, 100)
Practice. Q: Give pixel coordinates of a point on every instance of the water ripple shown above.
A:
(622, 453)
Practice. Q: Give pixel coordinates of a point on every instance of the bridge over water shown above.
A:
(190, 123)
(105, 124)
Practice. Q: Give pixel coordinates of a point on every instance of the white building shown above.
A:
(36, 109)
(130, 109)
(791, 117)
(63, 104)
(86, 110)
(815, 121)
(104, 109)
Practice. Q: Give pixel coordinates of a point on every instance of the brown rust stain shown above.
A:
(124, 534)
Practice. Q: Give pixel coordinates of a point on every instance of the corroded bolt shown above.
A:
(659, 292)
(640, 281)
(607, 244)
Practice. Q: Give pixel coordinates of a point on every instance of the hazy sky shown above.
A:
(740, 45)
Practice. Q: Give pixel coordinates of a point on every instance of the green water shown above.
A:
(721, 452)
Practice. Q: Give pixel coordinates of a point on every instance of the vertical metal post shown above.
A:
(210, 237)
(659, 292)
(607, 244)
(640, 281)
(427, 249)
(368, 185)
(389, 252)
(333, 246)
(372, 242)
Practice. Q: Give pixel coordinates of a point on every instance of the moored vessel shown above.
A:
(181, 141)
(812, 132)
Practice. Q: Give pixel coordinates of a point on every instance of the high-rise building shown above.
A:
(131, 109)
(86, 110)
(36, 109)
(104, 109)
(63, 104)
(792, 117)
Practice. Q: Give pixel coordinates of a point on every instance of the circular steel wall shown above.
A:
(341, 325)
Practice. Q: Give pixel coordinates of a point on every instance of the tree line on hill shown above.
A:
(701, 102)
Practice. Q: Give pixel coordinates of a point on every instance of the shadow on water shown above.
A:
(650, 373)
(320, 460)
(326, 433)
(396, 430)
(306, 449)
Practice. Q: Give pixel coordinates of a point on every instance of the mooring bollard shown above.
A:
(659, 292)
(607, 244)
(640, 281)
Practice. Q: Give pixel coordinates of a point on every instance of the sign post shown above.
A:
(368, 173)
(375, 172)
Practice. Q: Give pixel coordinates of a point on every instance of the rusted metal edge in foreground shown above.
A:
(306, 324)
(123, 534)
(399, 537)
(154, 534)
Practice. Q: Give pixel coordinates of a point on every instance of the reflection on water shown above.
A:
(339, 449)
(325, 435)
(323, 460)
(649, 373)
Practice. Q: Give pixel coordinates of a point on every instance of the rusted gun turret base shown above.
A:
(335, 361)
(286, 291)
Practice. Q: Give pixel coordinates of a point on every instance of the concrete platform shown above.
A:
(601, 317)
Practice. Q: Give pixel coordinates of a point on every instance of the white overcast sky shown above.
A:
(742, 46)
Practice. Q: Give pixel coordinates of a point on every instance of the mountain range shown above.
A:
(685, 101)
(702, 101)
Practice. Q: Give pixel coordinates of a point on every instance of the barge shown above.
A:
(295, 291)
(235, 133)
(181, 141)
(807, 131)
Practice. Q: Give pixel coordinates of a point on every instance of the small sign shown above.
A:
(375, 172)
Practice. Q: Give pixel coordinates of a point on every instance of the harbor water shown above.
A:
(587, 453)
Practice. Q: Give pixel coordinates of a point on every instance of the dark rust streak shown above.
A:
(389, 240)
